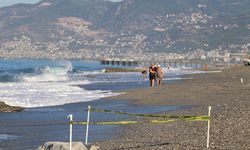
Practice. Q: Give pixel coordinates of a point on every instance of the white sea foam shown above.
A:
(49, 86)
(39, 94)
(79, 82)
(46, 77)
(48, 74)
(176, 78)
(4, 137)
(184, 70)
(94, 72)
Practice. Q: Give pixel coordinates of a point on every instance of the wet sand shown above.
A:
(230, 101)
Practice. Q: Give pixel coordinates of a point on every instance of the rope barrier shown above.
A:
(168, 119)
(199, 118)
(193, 118)
(121, 122)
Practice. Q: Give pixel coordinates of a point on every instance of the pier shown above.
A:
(134, 63)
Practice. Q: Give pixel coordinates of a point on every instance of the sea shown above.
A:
(50, 90)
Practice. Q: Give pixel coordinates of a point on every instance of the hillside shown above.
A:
(97, 28)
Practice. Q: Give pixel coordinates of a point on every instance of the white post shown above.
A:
(241, 80)
(87, 127)
(70, 131)
(208, 126)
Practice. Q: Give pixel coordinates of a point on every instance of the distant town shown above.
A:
(25, 48)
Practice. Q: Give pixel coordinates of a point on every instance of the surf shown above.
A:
(41, 84)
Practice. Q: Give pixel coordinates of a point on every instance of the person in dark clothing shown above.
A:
(152, 74)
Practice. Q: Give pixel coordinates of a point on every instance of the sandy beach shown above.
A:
(229, 98)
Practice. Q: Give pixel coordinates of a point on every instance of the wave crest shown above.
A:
(49, 73)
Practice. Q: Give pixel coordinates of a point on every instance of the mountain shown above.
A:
(98, 28)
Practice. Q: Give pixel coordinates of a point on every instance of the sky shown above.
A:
(11, 2)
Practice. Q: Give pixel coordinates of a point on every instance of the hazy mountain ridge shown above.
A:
(99, 27)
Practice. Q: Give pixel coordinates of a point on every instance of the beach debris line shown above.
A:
(167, 119)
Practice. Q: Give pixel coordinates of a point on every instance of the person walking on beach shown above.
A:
(152, 75)
(160, 74)
(144, 73)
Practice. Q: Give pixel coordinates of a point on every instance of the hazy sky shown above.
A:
(11, 2)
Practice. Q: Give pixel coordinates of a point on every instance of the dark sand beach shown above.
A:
(230, 101)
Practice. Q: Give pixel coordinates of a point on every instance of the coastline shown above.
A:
(224, 91)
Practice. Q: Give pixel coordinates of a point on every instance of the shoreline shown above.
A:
(224, 91)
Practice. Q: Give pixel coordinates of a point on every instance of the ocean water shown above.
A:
(52, 89)
(39, 83)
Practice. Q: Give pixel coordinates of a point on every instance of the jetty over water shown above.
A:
(135, 63)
